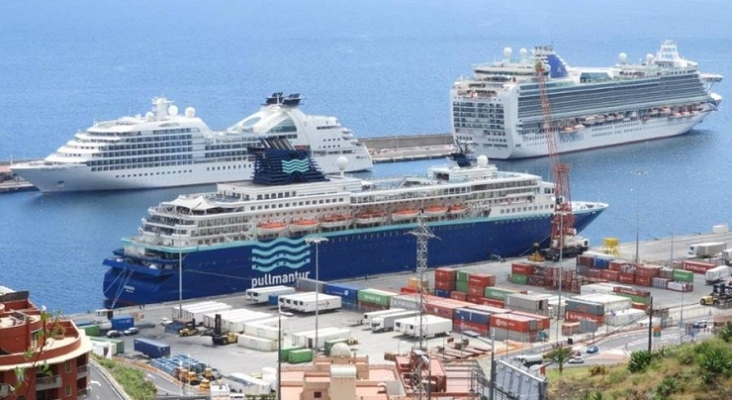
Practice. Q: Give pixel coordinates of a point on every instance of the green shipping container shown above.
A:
(462, 276)
(461, 286)
(634, 298)
(332, 342)
(285, 351)
(519, 279)
(300, 356)
(375, 296)
(683, 275)
(495, 293)
(91, 330)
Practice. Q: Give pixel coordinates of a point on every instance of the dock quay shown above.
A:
(679, 307)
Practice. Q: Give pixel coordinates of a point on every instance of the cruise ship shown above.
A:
(499, 107)
(291, 220)
(166, 149)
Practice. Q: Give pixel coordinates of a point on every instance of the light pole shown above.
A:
(317, 240)
(180, 283)
(639, 173)
(561, 270)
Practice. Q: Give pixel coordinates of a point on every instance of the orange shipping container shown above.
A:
(578, 316)
(511, 322)
(407, 289)
(481, 280)
(643, 280)
(543, 321)
(639, 306)
(522, 269)
(441, 309)
(648, 271)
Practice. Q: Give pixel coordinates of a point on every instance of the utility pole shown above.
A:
(317, 240)
(650, 326)
(423, 234)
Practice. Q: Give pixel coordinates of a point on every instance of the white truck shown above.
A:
(369, 316)
(383, 323)
(261, 294)
(431, 326)
(309, 303)
(717, 275)
(705, 250)
(727, 256)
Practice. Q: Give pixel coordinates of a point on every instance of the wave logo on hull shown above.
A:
(295, 166)
(282, 252)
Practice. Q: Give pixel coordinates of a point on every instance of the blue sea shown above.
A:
(383, 67)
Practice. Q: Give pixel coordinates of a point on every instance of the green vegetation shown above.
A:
(132, 380)
(688, 372)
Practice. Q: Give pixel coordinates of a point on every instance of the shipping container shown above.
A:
(209, 319)
(309, 285)
(611, 302)
(465, 326)
(716, 275)
(238, 323)
(415, 283)
(309, 304)
(441, 308)
(286, 349)
(519, 279)
(445, 274)
(442, 293)
(513, 322)
(462, 276)
(473, 316)
(604, 288)
(117, 344)
(367, 317)
(151, 348)
(426, 326)
(267, 328)
(407, 289)
(90, 330)
(198, 313)
(251, 385)
(643, 280)
(459, 296)
(648, 271)
(579, 316)
(122, 322)
(609, 275)
(261, 294)
(445, 285)
(383, 323)
(526, 302)
(307, 338)
(696, 266)
(486, 302)
(375, 296)
(497, 293)
(625, 317)
(346, 291)
(300, 356)
(584, 306)
(461, 286)
(620, 290)
(683, 275)
(516, 336)
(626, 278)
(256, 343)
(481, 280)
(680, 286)
(522, 268)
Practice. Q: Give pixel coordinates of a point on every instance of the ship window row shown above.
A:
(153, 174)
(141, 165)
(301, 203)
(138, 133)
(328, 127)
(163, 145)
(111, 154)
(525, 209)
(138, 160)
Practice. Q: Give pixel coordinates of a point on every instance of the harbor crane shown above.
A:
(563, 239)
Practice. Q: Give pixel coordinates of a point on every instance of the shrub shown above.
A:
(639, 361)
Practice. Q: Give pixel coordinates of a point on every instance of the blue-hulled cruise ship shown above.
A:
(271, 230)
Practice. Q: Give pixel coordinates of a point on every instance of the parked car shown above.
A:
(700, 324)
(114, 334)
(165, 321)
(592, 349)
(131, 331)
(576, 360)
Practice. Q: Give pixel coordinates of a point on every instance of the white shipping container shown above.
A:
(263, 331)
(307, 338)
(308, 304)
(198, 304)
(526, 302)
(367, 317)
(237, 324)
(198, 313)
(625, 317)
(286, 300)
(596, 288)
(256, 343)
(250, 384)
(405, 301)
(431, 326)
(611, 302)
(208, 319)
(261, 294)
(716, 274)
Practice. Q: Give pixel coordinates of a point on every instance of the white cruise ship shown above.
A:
(165, 149)
(499, 107)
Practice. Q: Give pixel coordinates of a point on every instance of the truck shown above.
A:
(705, 250)
(717, 275)
(151, 348)
(261, 294)
(431, 326)
(308, 303)
(383, 323)
(727, 256)
(720, 297)
(367, 317)
(574, 245)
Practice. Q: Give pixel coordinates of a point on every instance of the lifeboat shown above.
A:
(590, 120)
(370, 217)
(435, 211)
(269, 228)
(405, 214)
(335, 221)
(579, 127)
(457, 209)
(304, 225)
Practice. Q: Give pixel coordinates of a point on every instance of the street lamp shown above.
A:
(317, 240)
(180, 283)
(638, 173)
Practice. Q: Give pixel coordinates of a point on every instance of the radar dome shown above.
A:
(523, 53)
(507, 53)
(342, 161)
(149, 116)
(649, 58)
(340, 350)
(173, 111)
(482, 160)
(623, 58)
(190, 112)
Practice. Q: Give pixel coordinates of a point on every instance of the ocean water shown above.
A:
(383, 67)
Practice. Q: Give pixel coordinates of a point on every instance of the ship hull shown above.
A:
(236, 267)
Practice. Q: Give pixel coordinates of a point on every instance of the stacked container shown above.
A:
(468, 319)
(517, 326)
(697, 267)
(374, 299)
(584, 310)
(445, 279)
(528, 303)
(349, 293)
(520, 273)
(461, 281)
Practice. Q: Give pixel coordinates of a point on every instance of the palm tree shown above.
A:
(560, 356)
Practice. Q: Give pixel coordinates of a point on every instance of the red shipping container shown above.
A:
(462, 326)
(643, 280)
(476, 291)
(407, 289)
(458, 296)
(609, 275)
(639, 306)
(480, 300)
(445, 285)
(648, 271)
(445, 274)
(544, 322)
(697, 267)
(615, 265)
(511, 322)
(441, 309)
(482, 280)
(584, 261)
(594, 273)
(626, 278)
(634, 292)
(578, 316)
(522, 269)
(489, 309)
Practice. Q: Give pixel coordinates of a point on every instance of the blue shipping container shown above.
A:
(601, 263)
(152, 348)
(274, 299)
(123, 322)
(347, 292)
(442, 293)
(470, 315)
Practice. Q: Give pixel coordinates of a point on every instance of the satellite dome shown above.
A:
(190, 112)
(342, 161)
(649, 58)
(623, 58)
(340, 350)
(482, 160)
(523, 53)
(149, 116)
(172, 111)
(507, 53)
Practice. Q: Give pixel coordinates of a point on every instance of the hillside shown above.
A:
(690, 371)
